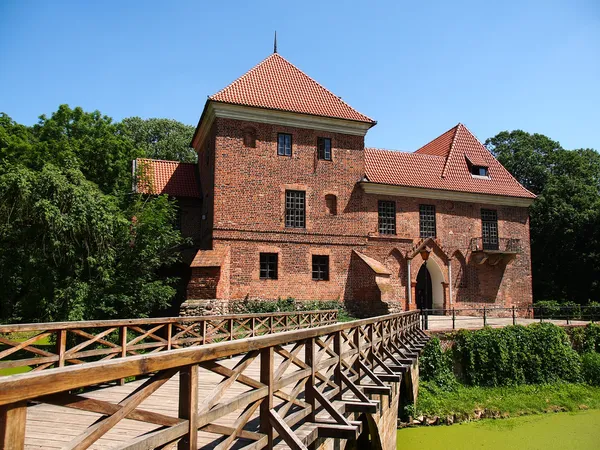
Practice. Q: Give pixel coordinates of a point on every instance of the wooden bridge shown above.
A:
(287, 380)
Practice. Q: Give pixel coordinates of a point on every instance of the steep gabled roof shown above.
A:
(155, 176)
(277, 84)
(442, 164)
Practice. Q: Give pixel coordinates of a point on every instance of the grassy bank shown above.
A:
(473, 402)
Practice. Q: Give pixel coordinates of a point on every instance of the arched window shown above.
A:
(331, 204)
(249, 137)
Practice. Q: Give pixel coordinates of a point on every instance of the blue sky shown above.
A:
(418, 68)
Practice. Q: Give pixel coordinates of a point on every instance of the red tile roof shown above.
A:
(275, 83)
(442, 164)
(166, 177)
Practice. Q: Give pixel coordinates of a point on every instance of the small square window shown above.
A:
(320, 267)
(324, 148)
(268, 266)
(387, 217)
(284, 144)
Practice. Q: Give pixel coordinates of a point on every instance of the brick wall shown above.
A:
(245, 212)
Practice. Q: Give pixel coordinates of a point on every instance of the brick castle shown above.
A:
(285, 200)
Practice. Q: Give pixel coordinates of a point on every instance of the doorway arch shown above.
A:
(430, 289)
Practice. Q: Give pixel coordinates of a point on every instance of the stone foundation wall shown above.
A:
(212, 307)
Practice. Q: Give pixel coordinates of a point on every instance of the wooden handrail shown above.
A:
(53, 326)
(85, 341)
(337, 358)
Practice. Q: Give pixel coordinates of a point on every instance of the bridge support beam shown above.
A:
(12, 425)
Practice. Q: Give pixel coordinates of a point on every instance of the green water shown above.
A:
(580, 430)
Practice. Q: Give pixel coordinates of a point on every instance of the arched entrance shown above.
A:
(424, 291)
(429, 292)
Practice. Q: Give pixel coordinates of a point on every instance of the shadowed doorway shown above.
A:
(424, 290)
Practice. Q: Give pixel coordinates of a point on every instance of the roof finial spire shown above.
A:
(275, 43)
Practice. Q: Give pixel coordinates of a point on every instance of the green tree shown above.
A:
(526, 156)
(67, 251)
(565, 218)
(75, 243)
(160, 138)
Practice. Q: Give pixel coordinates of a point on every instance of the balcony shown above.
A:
(495, 251)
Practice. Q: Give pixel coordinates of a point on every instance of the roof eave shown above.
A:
(215, 108)
(444, 194)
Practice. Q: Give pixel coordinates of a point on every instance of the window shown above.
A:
(427, 221)
(295, 209)
(268, 266)
(387, 217)
(284, 144)
(249, 137)
(324, 148)
(489, 227)
(320, 267)
(480, 171)
(331, 204)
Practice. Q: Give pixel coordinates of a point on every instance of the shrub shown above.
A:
(435, 365)
(592, 311)
(570, 310)
(538, 353)
(547, 309)
(590, 368)
(248, 306)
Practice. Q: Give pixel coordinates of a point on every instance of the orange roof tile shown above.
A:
(275, 83)
(442, 164)
(174, 178)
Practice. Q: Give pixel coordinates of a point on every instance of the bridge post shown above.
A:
(337, 374)
(61, 346)
(188, 405)
(12, 425)
(309, 360)
(266, 377)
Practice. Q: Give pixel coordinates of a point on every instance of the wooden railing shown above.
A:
(45, 345)
(284, 389)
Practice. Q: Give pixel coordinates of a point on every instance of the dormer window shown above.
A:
(477, 166)
(479, 171)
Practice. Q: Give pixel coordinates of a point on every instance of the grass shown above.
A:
(544, 432)
(467, 403)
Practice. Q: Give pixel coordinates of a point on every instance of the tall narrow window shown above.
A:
(284, 144)
(268, 266)
(295, 209)
(427, 221)
(320, 267)
(387, 217)
(324, 148)
(489, 227)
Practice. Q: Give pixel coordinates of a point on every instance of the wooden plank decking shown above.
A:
(50, 426)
